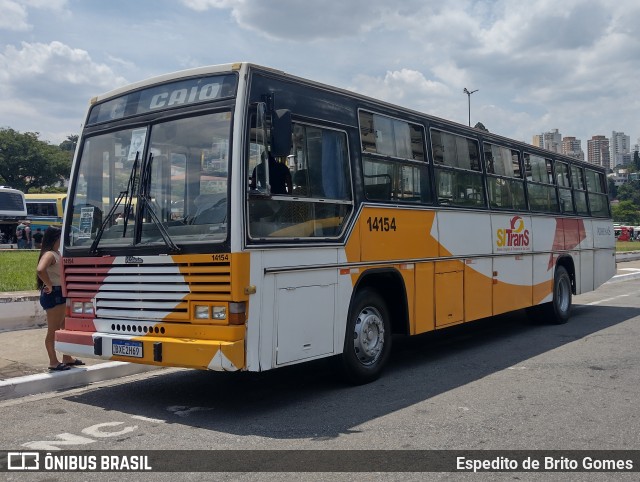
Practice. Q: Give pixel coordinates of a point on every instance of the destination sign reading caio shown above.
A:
(168, 95)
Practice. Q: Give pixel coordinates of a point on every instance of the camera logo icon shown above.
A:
(23, 461)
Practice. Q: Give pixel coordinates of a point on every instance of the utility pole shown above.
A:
(469, 101)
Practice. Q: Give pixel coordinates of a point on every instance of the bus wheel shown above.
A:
(368, 338)
(559, 310)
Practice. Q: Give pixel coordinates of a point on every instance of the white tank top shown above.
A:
(54, 270)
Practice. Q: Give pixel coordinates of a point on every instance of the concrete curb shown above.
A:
(627, 256)
(621, 258)
(74, 377)
(623, 277)
(21, 310)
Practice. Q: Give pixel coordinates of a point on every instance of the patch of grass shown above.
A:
(622, 246)
(18, 269)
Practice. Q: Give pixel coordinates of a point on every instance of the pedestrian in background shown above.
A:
(28, 241)
(20, 239)
(51, 299)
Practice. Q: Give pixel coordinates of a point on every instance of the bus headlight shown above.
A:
(82, 308)
(219, 312)
(201, 312)
(214, 312)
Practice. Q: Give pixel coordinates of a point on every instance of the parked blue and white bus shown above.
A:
(13, 209)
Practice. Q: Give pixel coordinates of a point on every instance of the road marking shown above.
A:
(147, 419)
(609, 299)
(71, 439)
(65, 439)
(96, 430)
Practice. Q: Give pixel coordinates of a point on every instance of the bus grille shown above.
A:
(156, 288)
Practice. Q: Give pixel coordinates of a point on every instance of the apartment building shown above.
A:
(572, 147)
(620, 149)
(598, 151)
(552, 140)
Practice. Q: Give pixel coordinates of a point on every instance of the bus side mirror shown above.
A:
(281, 130)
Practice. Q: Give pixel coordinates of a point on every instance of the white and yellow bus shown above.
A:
(44, 210)
(187, 243)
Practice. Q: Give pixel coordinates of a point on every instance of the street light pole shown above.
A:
(469, 101)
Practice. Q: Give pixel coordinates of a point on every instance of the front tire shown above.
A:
(367, 340)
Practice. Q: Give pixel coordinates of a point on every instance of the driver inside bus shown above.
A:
(279, 177)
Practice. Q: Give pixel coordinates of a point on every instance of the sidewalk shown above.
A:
(24, 362)
(24, 367)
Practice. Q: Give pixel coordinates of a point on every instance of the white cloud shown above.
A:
(55, 63)
(202, 5)
(59, 5)
(14, 16)
(48, 85)
(408, 88)
(300, 21)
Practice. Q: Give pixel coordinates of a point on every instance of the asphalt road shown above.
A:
(503, 383)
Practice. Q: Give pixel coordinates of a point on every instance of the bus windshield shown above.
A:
(158, 184)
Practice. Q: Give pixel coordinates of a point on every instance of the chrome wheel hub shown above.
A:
(368, 336)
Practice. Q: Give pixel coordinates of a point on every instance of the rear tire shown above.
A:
(367, 340)
(558, 311)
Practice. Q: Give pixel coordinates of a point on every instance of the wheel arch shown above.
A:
(566, 261)
(389, 284)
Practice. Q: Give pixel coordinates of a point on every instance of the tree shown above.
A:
(29, 163)
(480, 126)
(70, 144)
(626, 212)
(630, 191)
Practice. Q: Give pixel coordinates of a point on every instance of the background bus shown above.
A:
(12, 210)
(44, 210)
(269, 220)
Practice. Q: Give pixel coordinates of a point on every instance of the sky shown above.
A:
(537, 65)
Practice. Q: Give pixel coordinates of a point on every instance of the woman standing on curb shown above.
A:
(51, 299)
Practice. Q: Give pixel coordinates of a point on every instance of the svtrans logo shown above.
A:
(515, 237)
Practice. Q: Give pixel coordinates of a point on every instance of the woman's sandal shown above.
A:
(60, 367)
(75, 363)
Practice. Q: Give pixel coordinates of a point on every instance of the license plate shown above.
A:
(126, 348)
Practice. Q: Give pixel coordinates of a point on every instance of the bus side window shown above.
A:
(458, 170)
(321, 192)
(393, 160)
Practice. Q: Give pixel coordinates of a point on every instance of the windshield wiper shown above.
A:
(128, 194)
(127, 212)
(144, 198)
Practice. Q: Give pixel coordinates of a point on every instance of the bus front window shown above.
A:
(178, 171)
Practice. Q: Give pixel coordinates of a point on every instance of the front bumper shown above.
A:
(201, 354)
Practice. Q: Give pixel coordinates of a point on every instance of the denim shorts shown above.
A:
(52, 299)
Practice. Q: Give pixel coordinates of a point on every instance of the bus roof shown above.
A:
(238, 66)
(180, 74)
